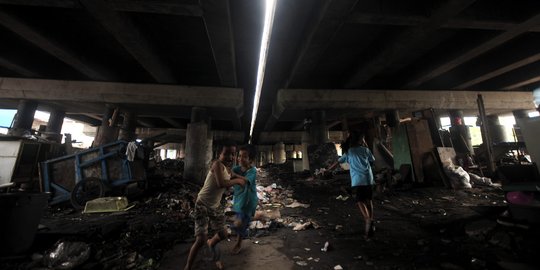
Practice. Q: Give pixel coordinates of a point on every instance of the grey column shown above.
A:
(54, 126)
(306, 140)
(280, 156)
(198, 146)
(24, 118)
(129, 124)
(318, 129)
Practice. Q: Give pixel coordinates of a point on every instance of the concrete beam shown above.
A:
(180, 134)
(331, 14)
(84, 118)
(406, 42)
(20, 28)
(513, 32)
(217, 20)
(519, 84)
(130, 37)
(154, 6)
(399, 99)
(8, 64)
(121, 93)
(410, 20)
(499, 71)
(174, 123)
(294, 137)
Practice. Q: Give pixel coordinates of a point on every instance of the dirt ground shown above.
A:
(416, 228)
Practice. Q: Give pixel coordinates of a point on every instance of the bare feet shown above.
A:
(219, 265)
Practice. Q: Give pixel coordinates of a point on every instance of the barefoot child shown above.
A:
(245, 197)
(209, 212)
(359, 157)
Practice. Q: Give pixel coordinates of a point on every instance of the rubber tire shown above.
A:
(93, 188)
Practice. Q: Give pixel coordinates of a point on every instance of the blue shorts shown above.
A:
(246, 220)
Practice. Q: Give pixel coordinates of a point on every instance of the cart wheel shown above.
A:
(86, 190)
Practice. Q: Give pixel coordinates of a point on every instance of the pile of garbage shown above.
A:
(169, 168)
(131, 239)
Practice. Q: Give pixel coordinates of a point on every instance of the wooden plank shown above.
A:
(420, 144)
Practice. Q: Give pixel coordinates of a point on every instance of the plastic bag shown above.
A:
(67, 255)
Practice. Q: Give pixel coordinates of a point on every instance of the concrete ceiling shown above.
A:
(346, 52)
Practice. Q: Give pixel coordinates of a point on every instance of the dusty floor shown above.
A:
(421, 228)
(417, 228)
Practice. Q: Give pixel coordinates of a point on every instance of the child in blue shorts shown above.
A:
(245, 198)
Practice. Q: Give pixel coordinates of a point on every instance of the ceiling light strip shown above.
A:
(270, 8)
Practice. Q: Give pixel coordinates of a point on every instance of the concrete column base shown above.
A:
(198, 152)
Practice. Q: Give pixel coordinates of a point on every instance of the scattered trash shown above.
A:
(67, 255)
(107, 204)
(326, 246)
(338, 267)
(301, 263)
(359, 257)
(342, 198)
(339, 227)
(478, 263)
(296, 204)
(307, 249)
(301, 227)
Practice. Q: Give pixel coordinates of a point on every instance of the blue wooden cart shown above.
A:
(90, 174)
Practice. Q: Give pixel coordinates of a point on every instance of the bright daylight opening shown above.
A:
(270, 7)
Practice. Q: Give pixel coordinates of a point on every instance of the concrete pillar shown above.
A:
(318, 129)
(280, 156)
(22, 122)
(496, 130)
(306, 140)
(392, 118)
(54, 126)
(181, 150)
(270, 155)
(461, 136)
(129, 124)
(198, 146)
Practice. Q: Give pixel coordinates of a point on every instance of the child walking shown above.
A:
(359, 157)
(245, 198)
(209, 211)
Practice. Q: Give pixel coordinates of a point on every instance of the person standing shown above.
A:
(209, 211)
(245, 197)
(359, 157)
